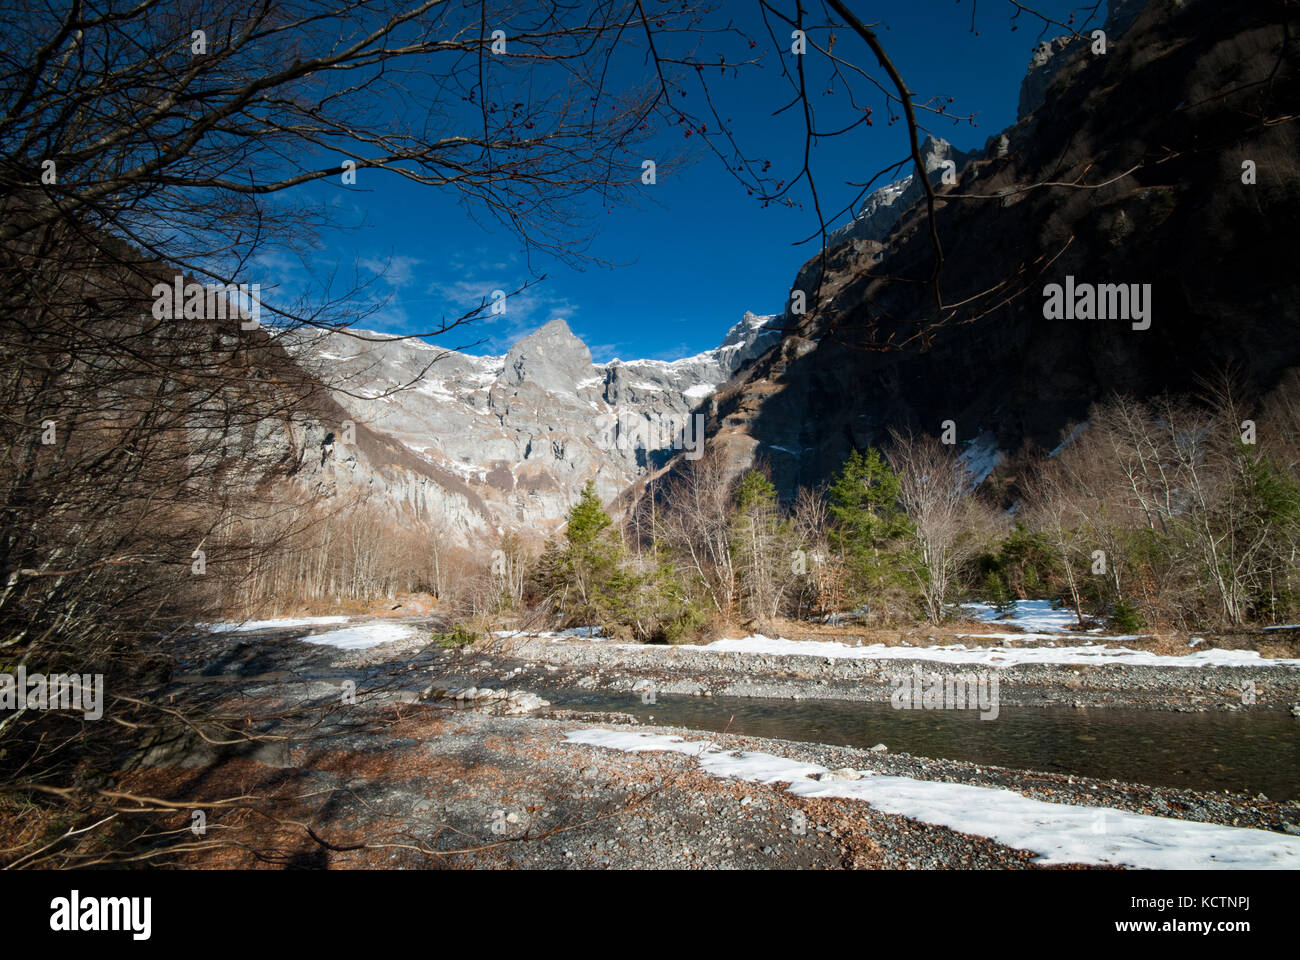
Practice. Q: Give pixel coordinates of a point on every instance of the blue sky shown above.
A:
(693, 251)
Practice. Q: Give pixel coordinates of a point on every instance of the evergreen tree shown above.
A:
(593, 557)
(756, 494)
(864, 501)
(869, 527)
(587, 519)
(593, 581)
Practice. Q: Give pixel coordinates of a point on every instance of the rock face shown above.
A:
(551, 358)
(494, 443)
(1047, 61)
(372, 469)
(879, 213)
(1158, 128)
(1042, 68)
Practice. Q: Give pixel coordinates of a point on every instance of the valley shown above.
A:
(979, 550)
(547, 790)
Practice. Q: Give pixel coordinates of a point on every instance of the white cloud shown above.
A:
(397, 272)
(525, 310)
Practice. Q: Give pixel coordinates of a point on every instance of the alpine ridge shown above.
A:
(496, 443)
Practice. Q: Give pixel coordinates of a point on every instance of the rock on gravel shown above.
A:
(844, 773)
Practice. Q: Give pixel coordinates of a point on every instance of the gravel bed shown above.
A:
(682, 670)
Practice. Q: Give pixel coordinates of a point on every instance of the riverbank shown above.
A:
(1092, 673)
(429, 786)
(352, 763)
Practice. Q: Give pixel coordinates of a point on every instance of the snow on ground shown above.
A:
(363, 637)
(980, 458)
(988, 656)
(1031, 612)
(1074, 435)
(594, 634)
(1031, 615)
(1027, 637)
(233, 626)
(1056, 832)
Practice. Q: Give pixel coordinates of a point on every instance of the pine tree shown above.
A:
(593, 558)
(869, 525)
(587, 519)
(864, 501)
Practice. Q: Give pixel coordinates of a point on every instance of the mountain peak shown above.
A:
(551, 356)
(880, 211)
(552, 328)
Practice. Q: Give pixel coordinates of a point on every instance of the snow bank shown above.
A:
(246, 625)
(1090, 653)
(365, 636)
(1056, 832)
(1032, 615)
(595, 634)
(980, 458)
(1029, 637)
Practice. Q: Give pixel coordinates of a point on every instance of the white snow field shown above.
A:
(1056, 832)
(232, 626)
(365, 636)
(991, 657)
(1033, 616)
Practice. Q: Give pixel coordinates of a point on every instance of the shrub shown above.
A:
(693, 622)
(1025, 563)
(457, 636)
(996, 593)
(1126, 617)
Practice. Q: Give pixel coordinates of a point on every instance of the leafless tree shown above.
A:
(820, 589)
(934, 488)
(764, 545)
(1050, 509)
(694, 519)
(146, 448)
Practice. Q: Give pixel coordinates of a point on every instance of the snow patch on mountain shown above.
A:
(526, 430)
(881, 210)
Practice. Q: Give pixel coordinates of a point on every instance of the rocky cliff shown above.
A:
(1130, 167)
(477, 445)
(880, 212)
(1124, 169)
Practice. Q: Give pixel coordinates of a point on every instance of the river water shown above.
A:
(1254, 751)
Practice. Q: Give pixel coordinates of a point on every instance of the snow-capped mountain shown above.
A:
(881, 210)
(523, 432)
